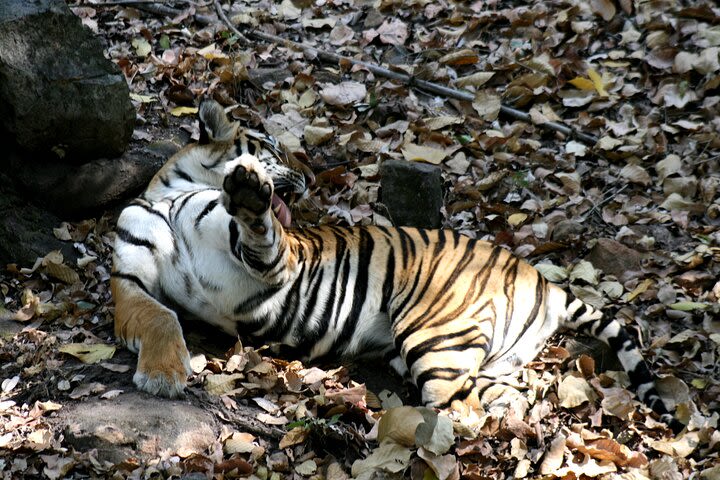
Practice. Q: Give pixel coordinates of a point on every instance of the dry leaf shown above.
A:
(435, 434)
(420, 153)
(89, 352)
(399, 424)
(574, 391)
(388, 457)
(343, 94)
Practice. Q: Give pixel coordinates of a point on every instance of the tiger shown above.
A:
(208, 238)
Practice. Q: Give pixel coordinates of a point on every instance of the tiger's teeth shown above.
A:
(276, 209)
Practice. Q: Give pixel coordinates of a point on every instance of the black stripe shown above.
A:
(205, 211)
(182, 174)
(289, 308)
(365, 251)
(248, 305)
(577, 313)
(510, 270)
(441, 373)
(131, 278)
(152, 211)
(418, 351)
(164, 180)
(462, 394)
(214, 164)
(235, 247)
(253, 259)
(539, 295)
(440, 243)
(389, 282)
(423, 234)
(176, 213)
(128, 237)
(329, 307)
(309, 337)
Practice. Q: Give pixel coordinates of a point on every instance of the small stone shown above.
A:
(567, 230)
(278, 462)
(412, 193)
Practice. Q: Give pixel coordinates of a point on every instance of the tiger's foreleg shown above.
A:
(153, 331)
(146, 326)
(257, 238)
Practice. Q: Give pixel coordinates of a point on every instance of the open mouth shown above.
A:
(280, 200)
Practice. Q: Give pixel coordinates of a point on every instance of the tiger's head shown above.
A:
(229, 139)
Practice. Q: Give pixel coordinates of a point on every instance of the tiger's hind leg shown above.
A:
(443, 365)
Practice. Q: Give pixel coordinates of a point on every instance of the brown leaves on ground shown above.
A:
(629, 224)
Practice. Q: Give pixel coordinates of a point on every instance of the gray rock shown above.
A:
(137, 425)
(412, 193)
(57, 90)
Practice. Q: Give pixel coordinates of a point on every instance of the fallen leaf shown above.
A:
(180, 111)
(574, 391)
(399, 425)
(435, 434)
(142, 47)
(307, 468)
(388, 457)
(343, 94)
(393, 32)
(295, 436)
(553, 459)
(89, 352)
(413, 152)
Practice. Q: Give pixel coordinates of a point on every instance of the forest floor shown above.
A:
(631, 223)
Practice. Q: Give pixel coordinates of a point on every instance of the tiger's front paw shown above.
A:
(248, 189)
(163, 372)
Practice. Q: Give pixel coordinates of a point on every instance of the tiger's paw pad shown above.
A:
(247, 188)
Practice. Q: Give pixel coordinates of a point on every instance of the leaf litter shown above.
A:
(643, 77)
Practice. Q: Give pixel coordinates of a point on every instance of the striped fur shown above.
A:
(454, 312)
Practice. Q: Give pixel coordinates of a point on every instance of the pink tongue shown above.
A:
(281, 210)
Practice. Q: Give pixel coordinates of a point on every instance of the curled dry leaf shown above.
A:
(553, 458)
(420, 153)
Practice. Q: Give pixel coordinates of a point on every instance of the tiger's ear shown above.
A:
(214, 125)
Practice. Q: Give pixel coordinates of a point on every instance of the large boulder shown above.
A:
(58, 93)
